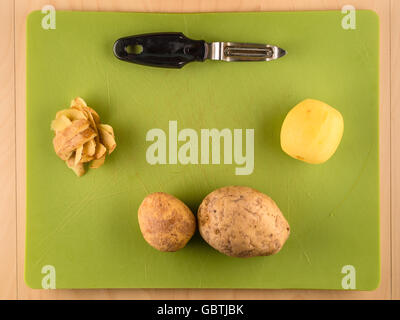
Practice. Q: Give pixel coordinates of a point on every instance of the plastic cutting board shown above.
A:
(86, 228)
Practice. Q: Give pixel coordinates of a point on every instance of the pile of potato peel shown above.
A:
(80, 137)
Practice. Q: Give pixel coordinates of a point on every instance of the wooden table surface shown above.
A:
(12, 146)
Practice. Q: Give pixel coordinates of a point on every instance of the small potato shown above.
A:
(312, 131)
(242, 222)
(166, 223)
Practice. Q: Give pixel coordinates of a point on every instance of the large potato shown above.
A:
(242, 222)
(166, 223)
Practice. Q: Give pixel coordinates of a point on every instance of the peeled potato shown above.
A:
(312, 131)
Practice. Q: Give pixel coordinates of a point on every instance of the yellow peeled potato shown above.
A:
(312, 131)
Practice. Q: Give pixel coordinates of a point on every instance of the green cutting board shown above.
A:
(85, 230)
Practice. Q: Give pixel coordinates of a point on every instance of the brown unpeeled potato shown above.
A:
(166, 223)
(242, 222)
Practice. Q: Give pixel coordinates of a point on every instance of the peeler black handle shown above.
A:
(168, 50)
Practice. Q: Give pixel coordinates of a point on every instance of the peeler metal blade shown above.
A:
(236, 51)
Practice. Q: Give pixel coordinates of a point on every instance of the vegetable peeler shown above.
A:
(174, 50)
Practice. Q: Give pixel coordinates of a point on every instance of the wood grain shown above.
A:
(395, 142)
(22, 9)
(8, 288)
